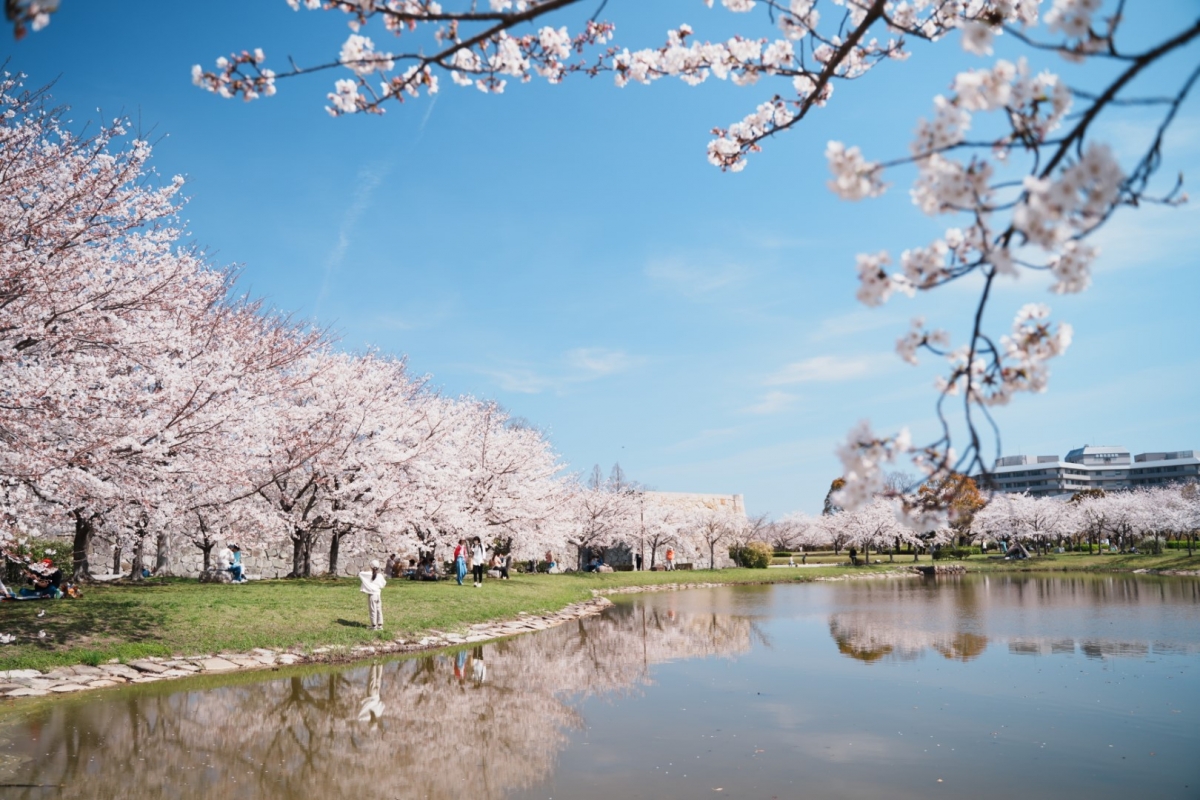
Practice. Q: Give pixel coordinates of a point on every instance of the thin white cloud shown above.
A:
(772, 402)
(521, 381)
(580, 365)
(368, 179)
(703, 438)
(861, 321)
(826, 369)
(596, 362)
(693, 280)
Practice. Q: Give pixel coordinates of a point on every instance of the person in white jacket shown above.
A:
(372, 585)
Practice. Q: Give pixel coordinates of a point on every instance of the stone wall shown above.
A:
(272, 561)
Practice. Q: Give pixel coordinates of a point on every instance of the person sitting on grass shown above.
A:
(235, 568)
(46, 579)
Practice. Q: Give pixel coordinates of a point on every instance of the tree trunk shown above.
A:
(116, 554)
(297, 555)
(712, 555)
(915, 552)
(138, 564)
(308, 548)
(335, 541)
(162, 554)
(81, 546)
(207, 549)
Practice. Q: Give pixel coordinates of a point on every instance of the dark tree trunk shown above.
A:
(297, 555)
(162, 554)
(82, 546)
(308, 548)
(116, 554)
(335, 542)
(712, 556)
(138, 563)
(207, 549)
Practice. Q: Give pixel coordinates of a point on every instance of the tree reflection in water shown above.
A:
(1033, 615)
(479, 722)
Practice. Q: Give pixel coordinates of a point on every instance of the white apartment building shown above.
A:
(1093, 467)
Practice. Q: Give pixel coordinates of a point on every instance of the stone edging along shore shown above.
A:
(63, 680)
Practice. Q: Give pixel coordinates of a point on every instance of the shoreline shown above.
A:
(16, 684)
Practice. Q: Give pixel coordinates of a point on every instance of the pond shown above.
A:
(985, 687)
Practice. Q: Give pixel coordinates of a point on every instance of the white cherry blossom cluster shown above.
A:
(854, 178)
(27, 15)
(1056, 209)
(1072, 18)
(990, 377)
(240, 74)
(919, 336)
(864, 455)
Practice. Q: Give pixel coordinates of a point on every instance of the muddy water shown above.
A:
(971, 687)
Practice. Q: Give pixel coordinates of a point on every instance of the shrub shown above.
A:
(755, 555)
(1150, 546)
(952, 553)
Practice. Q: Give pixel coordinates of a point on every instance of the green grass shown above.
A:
(183, 617)
(1098, 562)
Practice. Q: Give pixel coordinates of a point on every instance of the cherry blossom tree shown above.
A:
(1026, 518)
(603, 519)
(662, 527)
(710, 528)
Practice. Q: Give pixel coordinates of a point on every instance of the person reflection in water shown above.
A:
(460, 663)
(372, 707)
(478, 668)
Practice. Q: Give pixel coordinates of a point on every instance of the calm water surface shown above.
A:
(974, 687)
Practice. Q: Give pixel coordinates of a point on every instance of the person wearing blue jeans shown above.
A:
(235, 568)
(460, 561)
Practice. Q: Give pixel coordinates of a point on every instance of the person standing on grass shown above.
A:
(460, 561)
(477, 561)
(372, 586)
(670, 559)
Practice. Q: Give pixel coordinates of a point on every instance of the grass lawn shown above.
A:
(1098, 562)
(184, 617)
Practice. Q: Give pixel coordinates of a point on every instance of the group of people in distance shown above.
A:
(472, 555)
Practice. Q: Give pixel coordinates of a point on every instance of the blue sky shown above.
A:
(568, 251)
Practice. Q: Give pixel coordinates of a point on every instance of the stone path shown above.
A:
(62, 680)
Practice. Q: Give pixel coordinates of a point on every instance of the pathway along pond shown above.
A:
(1030, 686)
